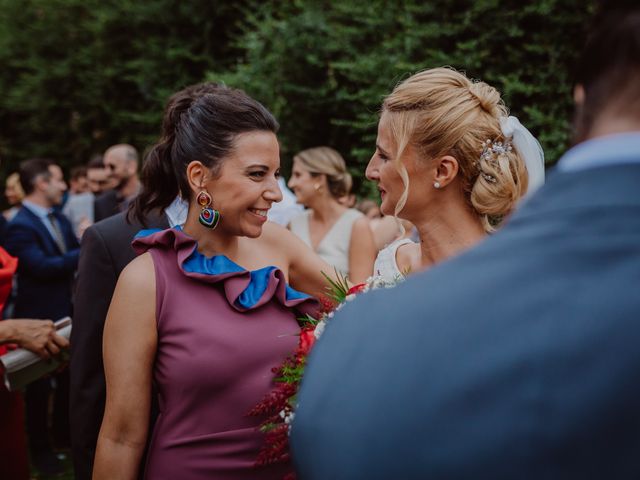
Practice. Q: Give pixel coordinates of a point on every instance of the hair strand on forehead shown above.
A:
(442, 112)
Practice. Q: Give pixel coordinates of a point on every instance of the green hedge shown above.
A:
(79, 75)
(323, 67)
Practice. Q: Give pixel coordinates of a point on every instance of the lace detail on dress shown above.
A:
(386, 266)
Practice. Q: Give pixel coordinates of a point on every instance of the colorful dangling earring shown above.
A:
(208, 216)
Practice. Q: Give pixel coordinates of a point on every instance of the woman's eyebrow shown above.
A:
(382, 150)
(257, 165)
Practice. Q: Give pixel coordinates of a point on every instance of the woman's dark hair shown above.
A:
(200, 123)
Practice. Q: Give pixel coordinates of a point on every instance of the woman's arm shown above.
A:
(362, 251)
(306, 268)
(129, 347)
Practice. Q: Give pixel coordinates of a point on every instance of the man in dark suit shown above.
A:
(106, 250)
(47, 250)
(122, 162)
(519, 358)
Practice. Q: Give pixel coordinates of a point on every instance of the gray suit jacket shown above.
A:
(518, 359)
(105, 251)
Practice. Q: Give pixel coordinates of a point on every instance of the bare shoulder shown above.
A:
(408, 257)
(134, 300)
(361, 225)
(138, 275)
(277, 235)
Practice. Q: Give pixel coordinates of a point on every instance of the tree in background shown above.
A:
(324, 67)
(79, 75)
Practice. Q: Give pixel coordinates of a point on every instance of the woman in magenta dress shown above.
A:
(206, 311)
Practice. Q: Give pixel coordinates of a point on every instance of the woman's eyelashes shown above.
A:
(261, 174)
(383, 156)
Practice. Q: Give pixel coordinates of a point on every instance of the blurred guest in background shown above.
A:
(98, 176)
(14, 195)
(369, 208)
(340, 235)
(283, 211)
(80, 208)
(122, 163)
(78, 181)
(47, 250)
(38, 336)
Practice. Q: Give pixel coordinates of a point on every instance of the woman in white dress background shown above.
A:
(339, 235)
(451, 161)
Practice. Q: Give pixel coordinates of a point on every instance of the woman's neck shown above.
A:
(448, 232)
(212, 242)
(326, 210)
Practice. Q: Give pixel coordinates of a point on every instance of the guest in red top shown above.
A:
(38, 336)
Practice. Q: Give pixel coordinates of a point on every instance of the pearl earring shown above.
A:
(436, 184)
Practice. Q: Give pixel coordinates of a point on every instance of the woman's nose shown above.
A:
(371, 171)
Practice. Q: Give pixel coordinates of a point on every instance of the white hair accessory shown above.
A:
(529, 149)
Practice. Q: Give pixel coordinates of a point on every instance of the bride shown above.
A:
(451, 161)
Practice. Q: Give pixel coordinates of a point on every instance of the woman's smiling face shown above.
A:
(247, 184)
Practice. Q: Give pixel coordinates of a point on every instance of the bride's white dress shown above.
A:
(385, 266)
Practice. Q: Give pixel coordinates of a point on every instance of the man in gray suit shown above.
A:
(519, 358)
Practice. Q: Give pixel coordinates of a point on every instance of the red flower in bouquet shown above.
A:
(279, 405)
(307, 339)
(356, 289)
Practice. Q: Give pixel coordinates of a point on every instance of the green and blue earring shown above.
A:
(208, 216)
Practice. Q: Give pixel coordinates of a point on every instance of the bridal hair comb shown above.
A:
(491, 149)
(490, 152)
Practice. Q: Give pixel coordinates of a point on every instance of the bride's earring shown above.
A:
(208, 216)
(436, 185)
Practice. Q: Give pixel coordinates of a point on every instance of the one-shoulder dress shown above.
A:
(221, 329)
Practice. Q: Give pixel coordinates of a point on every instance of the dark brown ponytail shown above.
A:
(200, 123)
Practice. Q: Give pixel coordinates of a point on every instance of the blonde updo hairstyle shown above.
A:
(326, 161)
(441, 112)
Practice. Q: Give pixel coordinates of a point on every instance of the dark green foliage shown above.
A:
(324, 67)
(79, 75)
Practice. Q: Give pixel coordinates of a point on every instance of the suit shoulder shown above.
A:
(106, 197)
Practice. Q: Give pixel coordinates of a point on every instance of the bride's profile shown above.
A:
(450, 160)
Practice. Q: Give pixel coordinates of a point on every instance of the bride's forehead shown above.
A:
(385, 133)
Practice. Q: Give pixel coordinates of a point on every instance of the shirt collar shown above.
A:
(39, 210)
(621, 148)
(177, 212)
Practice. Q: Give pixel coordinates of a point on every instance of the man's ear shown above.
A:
(578, 94)
(446, 169)
(41, 182)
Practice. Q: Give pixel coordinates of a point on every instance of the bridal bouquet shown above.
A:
(279, 405)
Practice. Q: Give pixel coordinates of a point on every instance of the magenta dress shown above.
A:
(221, 329)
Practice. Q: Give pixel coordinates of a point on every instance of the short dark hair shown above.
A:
(200, 122)
(95, 161)
(31, 169)
(609, 68)
(78, 172)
